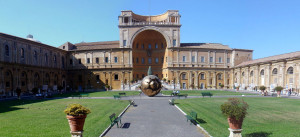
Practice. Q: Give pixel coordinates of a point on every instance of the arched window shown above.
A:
(6, 50)
(262, 72)
(290, 70)
(274, 72)
(62, 62)
(243, 73)
(46, 58)
(35, 55)
(251, 73)
(54, 59)
(22, 53)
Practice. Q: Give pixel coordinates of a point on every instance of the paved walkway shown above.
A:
(154, 117)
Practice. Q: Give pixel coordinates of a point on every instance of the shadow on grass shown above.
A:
(259, 134)
(71, 94)
(201, 121)
(11, 105)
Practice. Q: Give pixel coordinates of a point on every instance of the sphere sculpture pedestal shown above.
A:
(151, 85)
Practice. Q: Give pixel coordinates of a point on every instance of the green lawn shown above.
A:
(214, 92)
(267, 117)
(45, 118)
(99, 93)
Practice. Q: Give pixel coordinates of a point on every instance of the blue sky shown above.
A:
(269, 27)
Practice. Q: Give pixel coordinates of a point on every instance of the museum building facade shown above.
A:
(144, 41)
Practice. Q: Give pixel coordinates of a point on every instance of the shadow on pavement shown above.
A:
(126, 125)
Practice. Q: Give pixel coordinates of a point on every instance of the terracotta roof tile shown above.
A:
(96, 45)
(205, 45)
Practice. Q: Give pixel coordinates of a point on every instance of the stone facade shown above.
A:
(26, 63)
(144, 41)
(280, 70)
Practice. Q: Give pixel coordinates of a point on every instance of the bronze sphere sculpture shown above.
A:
(151, 85)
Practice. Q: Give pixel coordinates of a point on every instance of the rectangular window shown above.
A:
(106, 59)
(97, 60)
(97, 77)
(156, 46)
(202, 59)
(149, 46)
(166, 59)
(174, 42)
(116, 59)
(162, 45)
(143, 46)
(162, 59)
(150, 60)
(71, 61)
(220, 59)
(116, 77)
(143, 61)
(124, 43)
(137, 60)
(202, 76)
(193, 59)
(88, 61)
(183, 76)
(228, 60)
(211, 59)
(156, 60)
(183, 58)
(137, 76)
(143, 75)
(137, 45)
(79, 61)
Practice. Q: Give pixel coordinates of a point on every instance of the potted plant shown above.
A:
(235, 110)
(18, 90)
(107, 87)
(262, 88)
(35, 91)
(192, 86)
(278, 89)
(222, 86)
(237, 88)
(76, 115)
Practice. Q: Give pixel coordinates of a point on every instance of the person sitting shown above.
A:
(177, 92)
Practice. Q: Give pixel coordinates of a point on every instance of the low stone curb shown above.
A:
(197, 124)
(109, 127)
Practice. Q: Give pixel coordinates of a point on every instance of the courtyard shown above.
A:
(267, 116)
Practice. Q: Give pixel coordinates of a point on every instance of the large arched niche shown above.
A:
(149, 49)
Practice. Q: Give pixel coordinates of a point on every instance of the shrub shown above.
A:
(164, 79)
(107, 86)
(278, 88)
(235, 108)
(262, 88)
(221, 85)
(60, 88)
(35, 90)
(76, 110)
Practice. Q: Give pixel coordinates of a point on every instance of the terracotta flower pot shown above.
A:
(76, 122)
(278, 93)
(235, 124)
